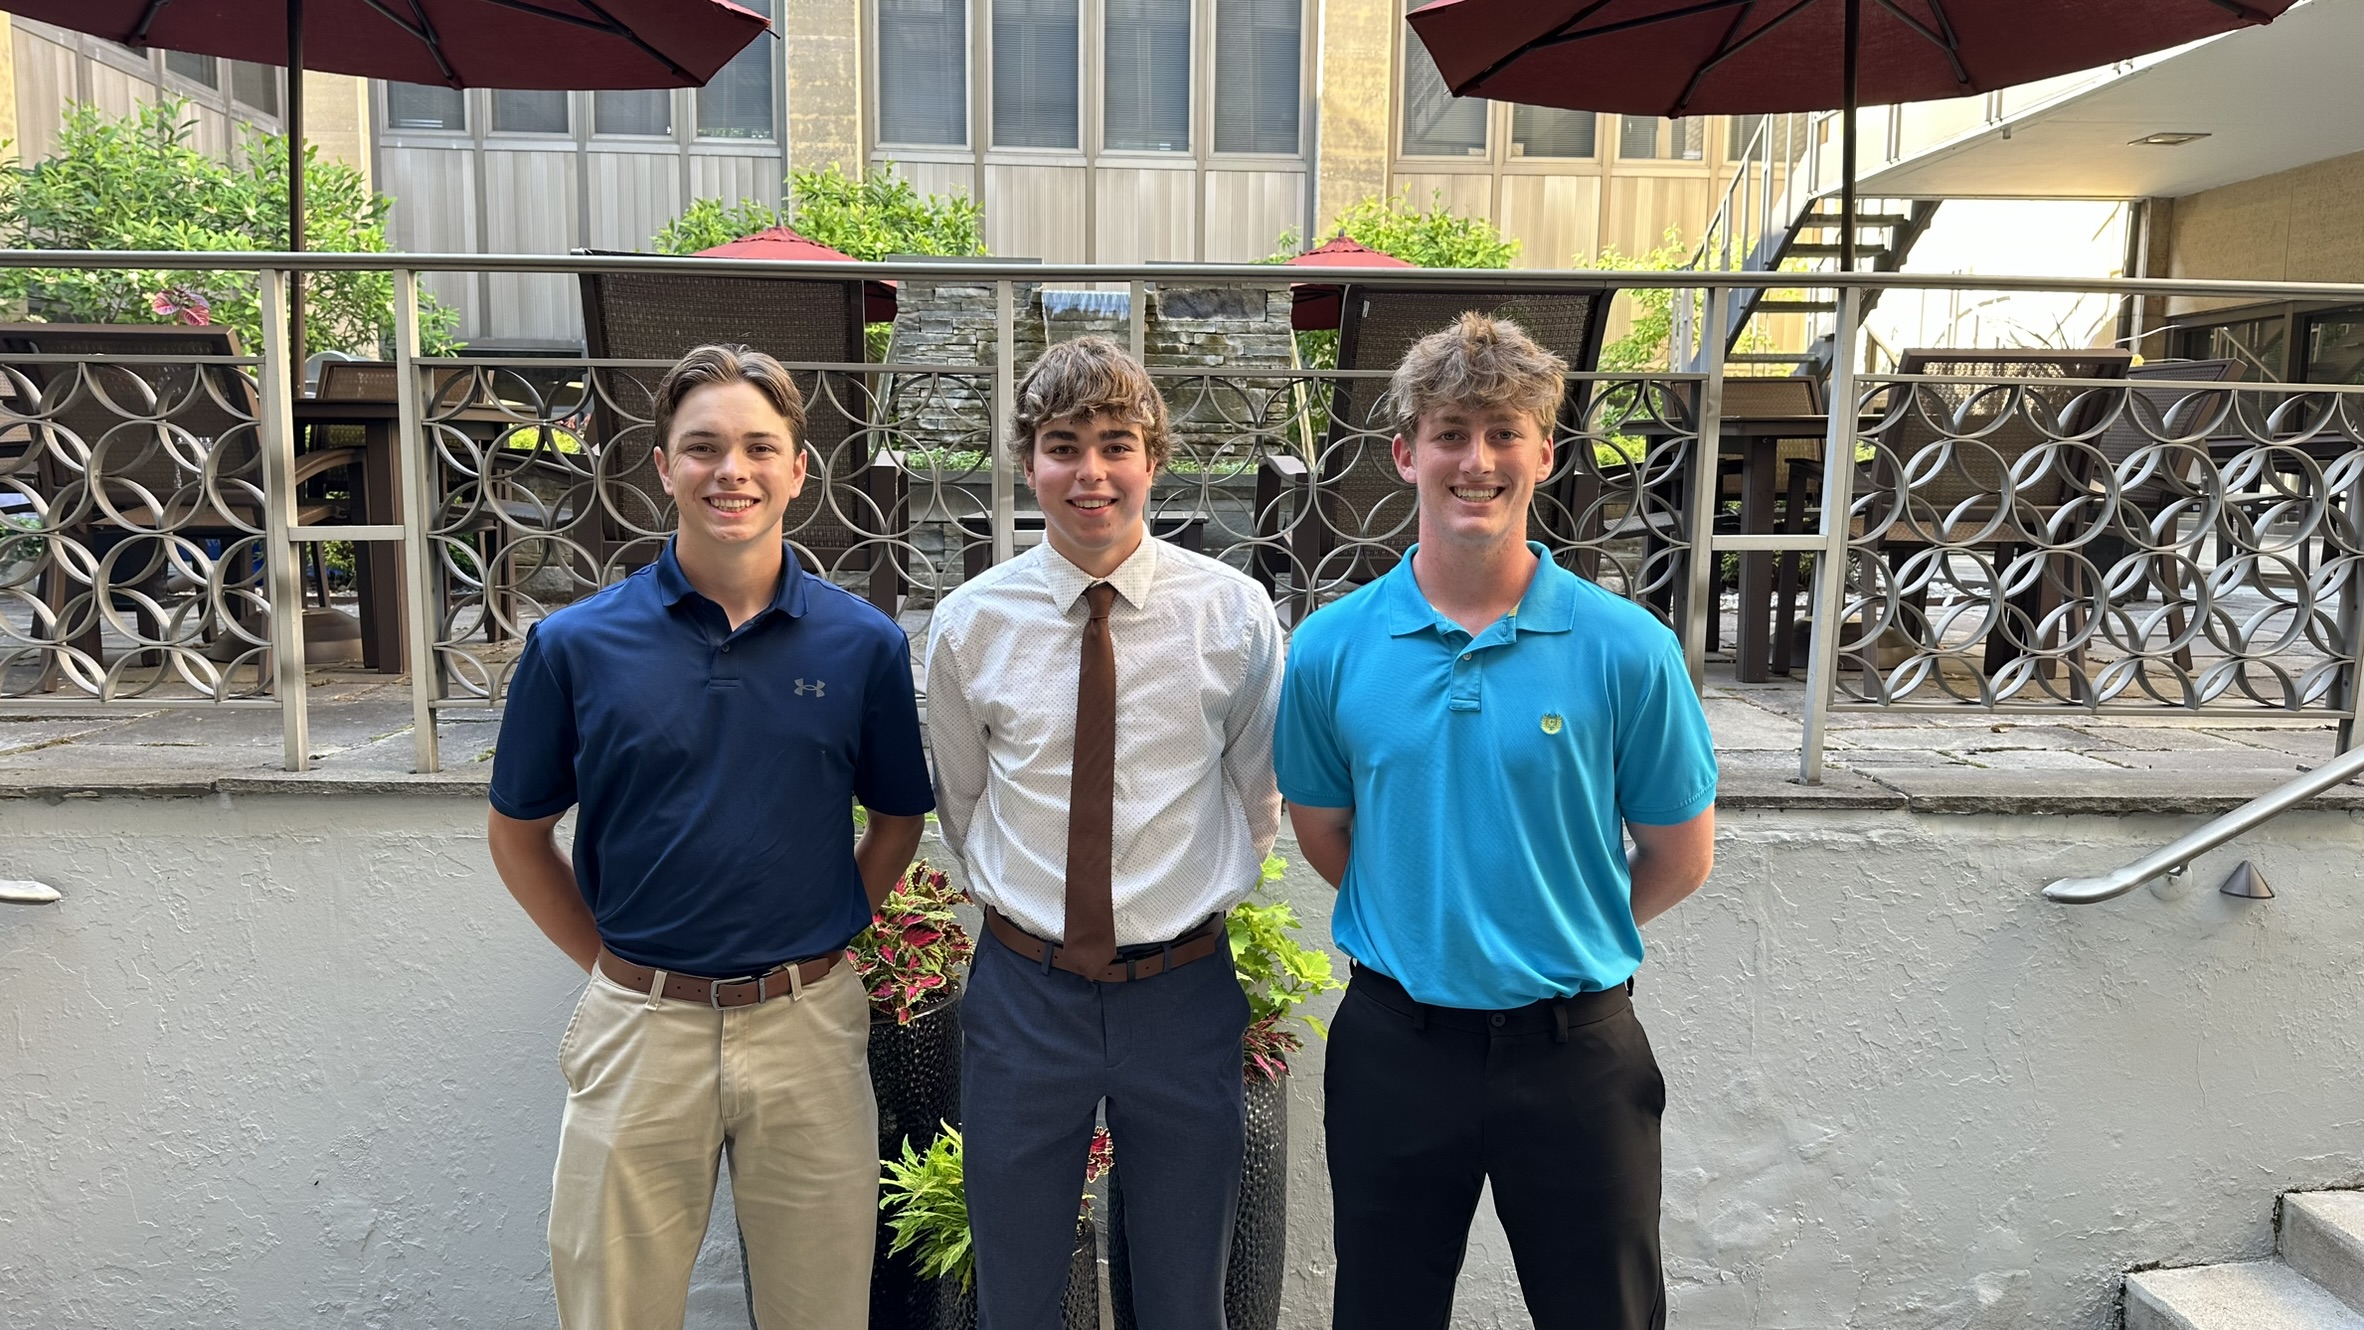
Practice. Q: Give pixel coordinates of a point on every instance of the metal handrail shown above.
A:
(2174, 856)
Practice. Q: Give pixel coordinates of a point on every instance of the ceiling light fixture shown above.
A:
(2172, 138)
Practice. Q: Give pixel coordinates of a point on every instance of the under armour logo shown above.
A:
(818, 688)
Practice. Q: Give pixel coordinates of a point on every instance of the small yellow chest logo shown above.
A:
(1551, 722)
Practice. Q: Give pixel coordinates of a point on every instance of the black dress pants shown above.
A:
(1557, 1103)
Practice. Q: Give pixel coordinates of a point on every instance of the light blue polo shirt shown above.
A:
(1491, 779)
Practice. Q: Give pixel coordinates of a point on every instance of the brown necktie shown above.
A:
(1091, 800)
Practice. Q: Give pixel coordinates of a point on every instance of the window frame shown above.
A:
(1208, 78)
(670, 134)
(775, 45)
(1087, 87)
(492, 128)
(384, 98)
(874, 62)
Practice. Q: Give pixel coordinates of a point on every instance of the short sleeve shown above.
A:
(534, 764)
(1666, 758)
(1306, 752)
(891, 770)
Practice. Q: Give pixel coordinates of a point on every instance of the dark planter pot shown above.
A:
(1259, 1232)
(915, 1072)
(957, 1307)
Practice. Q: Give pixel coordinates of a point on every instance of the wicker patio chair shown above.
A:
(140, 436)
(1353, 500)
(854, 497)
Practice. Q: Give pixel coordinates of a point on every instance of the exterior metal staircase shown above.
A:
(1770, 221)
(2314, 1282)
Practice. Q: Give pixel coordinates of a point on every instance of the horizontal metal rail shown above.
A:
(2174, 856)
(1175, 275)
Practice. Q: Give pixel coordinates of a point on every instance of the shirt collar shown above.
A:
(1132, 578)
(673, 584)
(1549, 605)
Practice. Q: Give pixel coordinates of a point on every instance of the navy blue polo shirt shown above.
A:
(1491, 778)
(715, 770)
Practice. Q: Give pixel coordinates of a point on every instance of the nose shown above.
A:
(1090, 465)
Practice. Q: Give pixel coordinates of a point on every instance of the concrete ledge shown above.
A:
(2251, 1295)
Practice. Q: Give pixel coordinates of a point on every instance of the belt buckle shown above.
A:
(714, 990)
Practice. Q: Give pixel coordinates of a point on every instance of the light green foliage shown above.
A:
(1647, 344)
(866, 218)
(1278, 973)
(1431, 237)
(926, 1200)
(136, 183)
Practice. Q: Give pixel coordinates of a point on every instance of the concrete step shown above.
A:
(2323, 1239)
(2251, 1295)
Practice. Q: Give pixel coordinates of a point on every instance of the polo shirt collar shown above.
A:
(1549, 605)
(1132, 578)
(673, 585)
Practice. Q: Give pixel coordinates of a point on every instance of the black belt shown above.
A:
(1557, 1015)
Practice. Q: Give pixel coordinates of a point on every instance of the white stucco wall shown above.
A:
(286, 1060)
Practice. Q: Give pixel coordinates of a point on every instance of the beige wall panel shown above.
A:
(1143, 214)
(633, 194)
(824, 40)
(2238, 231)
(214, 135)
(734, 178)
(1036, 212)
(336, 118)
(7, 81)
(1642, 208)
(1358, 40)
(1248, 210)
(1465, 195)
(2326, 243)
(533, 212)
(436, 214)
(1555, 218)
(44, 84)
(116, 92)
(946, 178)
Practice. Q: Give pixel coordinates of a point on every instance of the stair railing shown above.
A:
(2171, 859)
(1762, 202)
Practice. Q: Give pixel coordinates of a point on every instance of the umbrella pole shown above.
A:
(1850, 97)
(295, 187)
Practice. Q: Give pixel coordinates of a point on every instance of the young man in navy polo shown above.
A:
(1464, 744)
(713, 717)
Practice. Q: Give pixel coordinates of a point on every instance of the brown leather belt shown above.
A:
(744, 991)
(1197, 944)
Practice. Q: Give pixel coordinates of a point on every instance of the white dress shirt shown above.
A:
(1198, 673)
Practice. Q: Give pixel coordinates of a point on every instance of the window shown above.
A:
(521, 112)
(1035, 75)
(1739, 132)
(1146, 76)
(1437, 123)
(1258, 51)
(2335, 347)
(1642, 138)
(198, 69)
(737, 102)
(647, 113)
(425, 106)
(2260, 346)
(923, 72)
(1785, 136)
(1545, 131)
(255, 85)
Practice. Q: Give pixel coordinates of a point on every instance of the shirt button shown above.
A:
(726, 648)
(1465, 655)
(1497, 1019)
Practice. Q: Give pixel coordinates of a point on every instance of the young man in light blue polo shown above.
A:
(1465, 745)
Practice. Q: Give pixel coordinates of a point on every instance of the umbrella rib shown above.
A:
(538, 11)
(1734, 48)
(1624, 25)
(1943, 42)
(424, 30)
(628, 35)
(1723, 48)
(2241, 10)
(1491, 70)
(139, 34)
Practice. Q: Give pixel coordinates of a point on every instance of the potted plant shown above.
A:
(910, 959)
(924, 1195)
(1279, 974)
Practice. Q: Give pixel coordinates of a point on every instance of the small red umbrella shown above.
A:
(1729, 57)
(781, 245)
(1314, 306)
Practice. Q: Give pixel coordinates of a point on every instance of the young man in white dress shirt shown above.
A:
(1101, 709)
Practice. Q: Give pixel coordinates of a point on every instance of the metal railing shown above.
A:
(2005, 543)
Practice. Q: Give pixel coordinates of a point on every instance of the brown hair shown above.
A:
(1481, 361)
(727, 364)
(1084, 377)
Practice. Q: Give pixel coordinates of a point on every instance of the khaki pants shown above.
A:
(656, 1091)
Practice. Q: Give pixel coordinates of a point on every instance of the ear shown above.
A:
(664, 464)
(1402, 450)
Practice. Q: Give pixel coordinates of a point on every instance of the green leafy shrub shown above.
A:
(1431, 237)
(136, 183)
(1278, 973)
(925, 1196)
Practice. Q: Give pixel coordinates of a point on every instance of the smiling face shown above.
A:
(731, 464)
(1091, 475)
(1475, 469)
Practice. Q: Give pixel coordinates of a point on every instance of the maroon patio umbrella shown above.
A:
(782, 245)
(1314, 306)
(1728, 57)
(546, 44)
